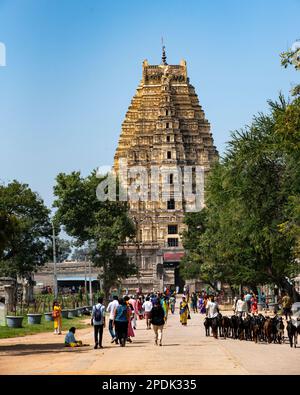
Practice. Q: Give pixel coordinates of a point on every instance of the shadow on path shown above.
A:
(27, 349)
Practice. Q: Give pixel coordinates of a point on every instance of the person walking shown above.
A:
(212, 311)
(172, 303)
(165, 305)
(147, 307)
(158, 321)
(130, 311)
(241, 307)
(287, 305)
(139, 306)
(184, 311)
(98, 321)
(201, 305)
(263, 300)
(56, 314)
(121, 322)
(111, 309)
(133, 303)
(194, 302)
(247, 299)
(254, 304)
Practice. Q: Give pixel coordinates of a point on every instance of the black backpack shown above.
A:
(98, 314)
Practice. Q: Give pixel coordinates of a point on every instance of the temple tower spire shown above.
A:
(164, 56)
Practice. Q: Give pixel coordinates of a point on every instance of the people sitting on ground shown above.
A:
(70, 340)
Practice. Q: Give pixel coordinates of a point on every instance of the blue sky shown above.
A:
(73, 67)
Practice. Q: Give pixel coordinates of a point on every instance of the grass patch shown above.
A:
(45, 326)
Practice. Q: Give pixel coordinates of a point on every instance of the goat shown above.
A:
(207, 324)
(225, 323)
(267, 329)
(293, 329)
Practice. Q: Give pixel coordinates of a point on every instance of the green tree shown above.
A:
(103, 225)
(79, 254)
(291, 57)
(26, 230)
(250, 199)
(63, 248)
(8, 228)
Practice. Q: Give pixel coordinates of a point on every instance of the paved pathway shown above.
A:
(186, 350)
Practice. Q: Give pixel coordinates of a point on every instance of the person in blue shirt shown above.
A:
(70, 340)
(247, 299)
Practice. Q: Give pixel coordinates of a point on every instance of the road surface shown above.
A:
(185, 350)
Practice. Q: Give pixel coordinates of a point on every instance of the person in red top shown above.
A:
(139, 308)
(253, 301)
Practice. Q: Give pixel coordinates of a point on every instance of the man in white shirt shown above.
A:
(111, 309)
(212, 311)
(147, 307)
(241, 307)
(212, 308)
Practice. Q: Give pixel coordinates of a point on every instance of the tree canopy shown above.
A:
(103, 225)
(249, 231)
(25, 229)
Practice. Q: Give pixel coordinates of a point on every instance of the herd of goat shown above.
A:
(257, 328)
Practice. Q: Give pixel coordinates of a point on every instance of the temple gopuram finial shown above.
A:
(164, 56)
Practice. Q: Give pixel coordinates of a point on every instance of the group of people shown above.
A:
(123, 314)
(245, 304)
(198, 301)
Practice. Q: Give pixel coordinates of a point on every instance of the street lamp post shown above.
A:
(90, 282)
(54, 262)
(85, 287)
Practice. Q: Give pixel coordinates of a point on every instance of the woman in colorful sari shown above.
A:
(201, 305)
(184, 311)
(130, 315)
(56, 314)
(165, 306)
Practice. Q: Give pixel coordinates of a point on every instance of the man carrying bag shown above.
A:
(98, 320)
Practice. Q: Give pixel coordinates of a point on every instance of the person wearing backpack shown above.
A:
(98, 321)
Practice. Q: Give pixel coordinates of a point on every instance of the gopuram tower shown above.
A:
(164, 130)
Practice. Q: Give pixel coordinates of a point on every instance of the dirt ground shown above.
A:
(185, 350)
